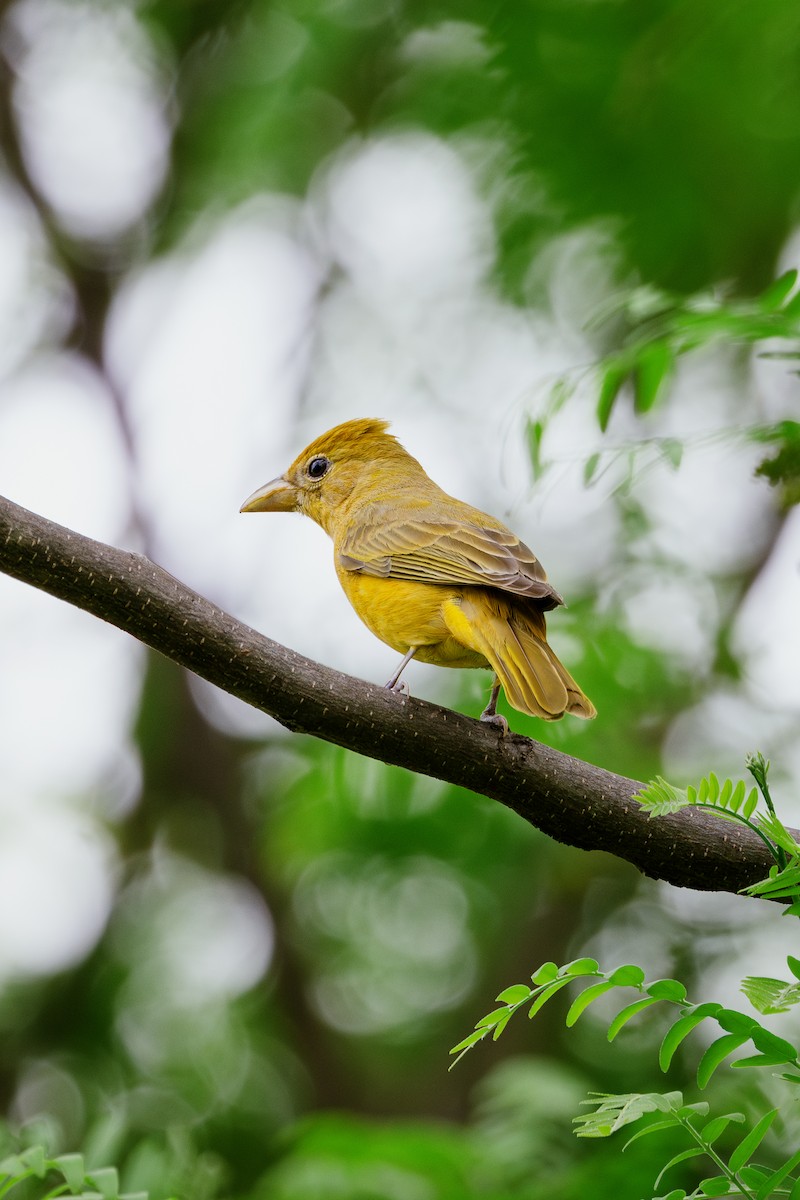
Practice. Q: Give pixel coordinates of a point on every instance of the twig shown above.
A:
(572, 801)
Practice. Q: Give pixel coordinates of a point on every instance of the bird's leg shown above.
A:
(393, 685)
(490, 713)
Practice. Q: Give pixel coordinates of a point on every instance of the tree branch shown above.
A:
(570, 800)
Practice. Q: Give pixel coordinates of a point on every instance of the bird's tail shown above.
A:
(513, 638)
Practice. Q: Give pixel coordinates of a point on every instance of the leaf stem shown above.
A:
(715, 1158)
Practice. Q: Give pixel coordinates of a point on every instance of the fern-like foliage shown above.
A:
(72, 1177)
(658, 797)
(611, 1113)
(733, 802)
(736, 1028)
(736, 1176)
(730, 799)
(771, 995)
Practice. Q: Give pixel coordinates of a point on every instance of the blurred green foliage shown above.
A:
(676, 121)
(396, 902)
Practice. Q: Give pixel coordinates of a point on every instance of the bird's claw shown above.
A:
(496, 719)
(400, 688)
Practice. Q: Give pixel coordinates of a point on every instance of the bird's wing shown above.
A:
(446, 551)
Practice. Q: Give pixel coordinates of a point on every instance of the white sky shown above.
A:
(210, 349)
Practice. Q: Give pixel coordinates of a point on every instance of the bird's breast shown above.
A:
(404, 613)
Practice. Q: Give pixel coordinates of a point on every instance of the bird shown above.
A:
(434, 578)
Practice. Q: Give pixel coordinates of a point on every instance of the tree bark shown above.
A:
(571, 801)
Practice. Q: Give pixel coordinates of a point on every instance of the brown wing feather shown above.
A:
(447, 551)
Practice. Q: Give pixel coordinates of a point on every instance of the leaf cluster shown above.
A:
(611, 1112)
(732, 802)
(736, 1176)
(737, 1028)
(74, 1179)
(782, 469)
(668, 327)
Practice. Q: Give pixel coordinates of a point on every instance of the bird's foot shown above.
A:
(398, 686)
(496, 719)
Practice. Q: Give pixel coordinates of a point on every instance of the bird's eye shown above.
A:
(318, 467)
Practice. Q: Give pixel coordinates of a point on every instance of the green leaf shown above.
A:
(36, 1160)
(659, 797)
(792, 309)
(106, 1180)
(733, 1021)
(777, 832)
(501, 1024)
(759, 1060)
(778, 883)
(656, 1127)
(753, 1176)
(590, 468)
(715, 1185)
(697, 1109)
(773, 1181)
(582, 1002)
(653, 364)
(614, 377)
(713, 787)
(794, 966)
(772, 298)
(750, 1143)
(672, 450)
(534, 431)
(613, 1112)
(625, 1014)
(738, 796)
(750, 804)
(717, 1126)
(667, 989)
(716, 1054)
(470, 1040)
(770, 995)
(580, 966)
(769, 1043)
(516, 994)
(684, 1156)
(546, 994)
(681, 1029)
(546, 973)
(13, 1165)
(72, 1168)
(628, 975)
(492, 1018)
(726, 793)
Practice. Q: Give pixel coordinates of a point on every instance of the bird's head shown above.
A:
(331, 472)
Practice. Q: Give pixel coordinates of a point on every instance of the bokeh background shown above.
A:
(232, 961)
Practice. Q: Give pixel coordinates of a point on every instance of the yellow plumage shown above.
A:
(432, 577)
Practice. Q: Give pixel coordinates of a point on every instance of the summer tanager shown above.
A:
(432, 577)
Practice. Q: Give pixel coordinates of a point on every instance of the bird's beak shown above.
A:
(276, 496)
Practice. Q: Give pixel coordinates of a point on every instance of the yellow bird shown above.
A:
(434, 578)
